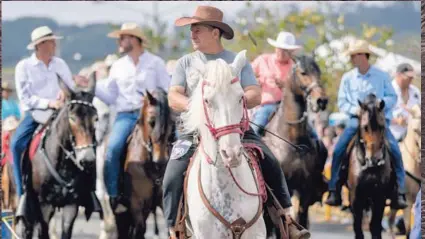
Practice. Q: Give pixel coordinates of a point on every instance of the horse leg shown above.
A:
(357, 210)
(123, 224)
(24, 229)
(155, 222)
(69, 214)
(47, 212)
(375, 225)
(303, 210)
(391, 220)
(407, 215)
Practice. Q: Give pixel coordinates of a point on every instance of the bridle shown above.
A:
(71, 154)
(239, 128)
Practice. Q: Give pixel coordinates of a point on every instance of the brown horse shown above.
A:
(410, 149)
(370, 179)
(303, 170)
(147, 154)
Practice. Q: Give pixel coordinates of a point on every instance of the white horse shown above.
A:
(217, 112)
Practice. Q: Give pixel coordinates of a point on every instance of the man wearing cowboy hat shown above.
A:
(134, 73)
(355, 86)
(207, 29)
(38, 89)
(408, 95)
(271, 70)
(9, 107)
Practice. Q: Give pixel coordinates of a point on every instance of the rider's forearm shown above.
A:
(178, 102)
(253, 96)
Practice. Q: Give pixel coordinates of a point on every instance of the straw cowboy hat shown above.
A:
(10, 123)
(210, 16)
(129, 28)
(359, 46)
(285, 40)
(41, 34)
(6, 86)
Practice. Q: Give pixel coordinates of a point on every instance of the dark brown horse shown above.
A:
(303, 169)
(147, 154)
(62, 171)
(369, 170)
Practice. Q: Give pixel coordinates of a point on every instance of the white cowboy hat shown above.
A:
(359, 46)
(10, 123)
(41, 34)
(285, 40)
(129, 29)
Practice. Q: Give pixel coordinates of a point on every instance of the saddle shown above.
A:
(288, 230)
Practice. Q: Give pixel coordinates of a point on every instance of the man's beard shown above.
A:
(127, 49)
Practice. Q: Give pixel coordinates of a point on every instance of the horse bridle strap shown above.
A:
(235, 128)
(237, 227)
(49, 165)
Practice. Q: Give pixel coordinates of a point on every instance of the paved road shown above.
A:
(319, 230)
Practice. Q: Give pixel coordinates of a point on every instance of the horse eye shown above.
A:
(95, 118)
(241, 99)
(207, 102)
(304, 73)
(366, 128)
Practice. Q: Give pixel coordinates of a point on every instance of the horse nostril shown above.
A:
(224, 153)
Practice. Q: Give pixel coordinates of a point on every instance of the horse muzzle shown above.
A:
(231, 156)
(322, 103)
(86, 159)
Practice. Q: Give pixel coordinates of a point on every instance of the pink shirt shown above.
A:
(266, 68)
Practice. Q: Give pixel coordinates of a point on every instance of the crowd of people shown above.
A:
(123, 78)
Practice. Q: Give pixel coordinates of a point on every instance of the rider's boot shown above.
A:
(334, 198)
(398, 201)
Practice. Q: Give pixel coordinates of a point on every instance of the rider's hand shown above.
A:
(81, 81)
(61, 96)
(55, 104)
(401, 121)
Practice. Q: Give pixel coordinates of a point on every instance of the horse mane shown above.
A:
(307, 64)
(219, 75)
(160, 129)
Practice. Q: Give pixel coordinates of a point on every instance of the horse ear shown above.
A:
(92, 83)
(381, 105)
(151, 99)
(66, 90)
(239, 62)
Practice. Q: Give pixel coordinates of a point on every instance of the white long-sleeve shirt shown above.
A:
(127, 82)
(37, 84)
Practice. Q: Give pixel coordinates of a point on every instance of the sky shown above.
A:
(83, 12)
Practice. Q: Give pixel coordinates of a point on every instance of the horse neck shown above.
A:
(136, 151)
(292, 109)
(57, 134)
(413, 150)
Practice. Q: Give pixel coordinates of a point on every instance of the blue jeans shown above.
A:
(20, 142)
(342, 144)
(416, 230)
(262, 115)
(122, 128)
